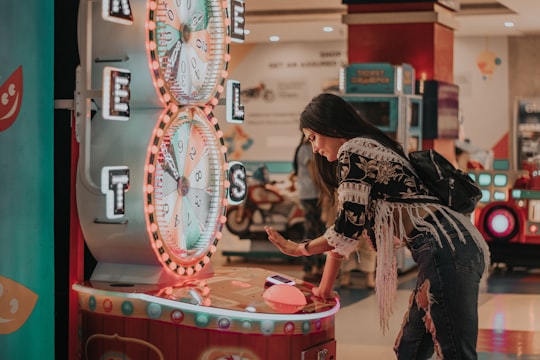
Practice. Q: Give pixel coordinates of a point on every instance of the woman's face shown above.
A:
(324, 145)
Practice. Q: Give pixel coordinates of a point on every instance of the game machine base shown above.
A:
(152, 186)
(228, 314)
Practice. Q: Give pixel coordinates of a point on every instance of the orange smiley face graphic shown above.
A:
(11, 93)
(16, 305)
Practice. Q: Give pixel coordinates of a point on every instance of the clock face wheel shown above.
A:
(188, 45)
(186, 189)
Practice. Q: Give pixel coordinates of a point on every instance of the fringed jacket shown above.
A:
(380, 195)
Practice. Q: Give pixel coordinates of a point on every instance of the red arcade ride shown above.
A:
(509, 211)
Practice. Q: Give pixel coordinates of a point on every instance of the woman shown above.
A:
(380, 196)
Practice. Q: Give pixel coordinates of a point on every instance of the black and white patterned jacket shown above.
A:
(378, 188)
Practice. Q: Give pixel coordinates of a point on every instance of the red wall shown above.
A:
(428, 47)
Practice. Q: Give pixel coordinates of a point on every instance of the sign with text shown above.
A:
(377, 78)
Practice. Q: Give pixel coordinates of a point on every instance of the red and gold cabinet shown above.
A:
(221, 316)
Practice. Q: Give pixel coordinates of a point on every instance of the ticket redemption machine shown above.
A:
(384, 94)
(152, 187)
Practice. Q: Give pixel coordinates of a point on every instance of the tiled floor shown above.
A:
(509, 313)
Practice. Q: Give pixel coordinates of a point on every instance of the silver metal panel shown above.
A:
(115, 143)
(107, 43)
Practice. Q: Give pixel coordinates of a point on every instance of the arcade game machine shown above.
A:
(384, 94)
(152, 188)
(508, 214)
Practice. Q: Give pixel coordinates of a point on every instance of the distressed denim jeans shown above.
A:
(442, 318)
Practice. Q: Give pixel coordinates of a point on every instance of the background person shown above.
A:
(380, 196)
(308, 193)
(365, 262)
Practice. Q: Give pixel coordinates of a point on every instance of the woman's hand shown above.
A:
(325, 295)
(285, 246)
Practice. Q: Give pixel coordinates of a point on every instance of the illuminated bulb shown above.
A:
(227, 184)
(149, 188)
(181, 270)
(207, 110)
(189, 271)
(213, 249)
(166, 97)
(224, 74)
(220, 89)
(220, 133)
(159, 243)
(224, 149)
(160, 132)
(154, 149)
(173, 266)
(227, 40)
(150, 209)
(152, 5)
(165, 256)
(206, 259)
(151, 25)
(225, 202)
(227, 57)
(214, 101)
(155, 65)
(160, 82)
(153, 227)
(198, 267)
(223, 219)
(151, 168)
(214, 121)
(174, 108)
(219, 235)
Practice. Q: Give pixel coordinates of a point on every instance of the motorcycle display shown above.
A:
(265, 204)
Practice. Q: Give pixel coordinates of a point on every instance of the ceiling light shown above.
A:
(274, 38)
(328, 29)
(508, 24)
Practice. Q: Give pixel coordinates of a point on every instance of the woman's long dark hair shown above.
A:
(330, 115)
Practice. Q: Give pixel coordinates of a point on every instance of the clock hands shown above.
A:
(174, 58)
(170, 164)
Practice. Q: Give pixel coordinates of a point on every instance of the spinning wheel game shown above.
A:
(152, 188)
(185, 190)
(191, 45)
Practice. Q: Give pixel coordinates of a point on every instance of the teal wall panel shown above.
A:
(26, 180)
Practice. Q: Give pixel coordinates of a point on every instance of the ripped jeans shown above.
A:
(443, 309)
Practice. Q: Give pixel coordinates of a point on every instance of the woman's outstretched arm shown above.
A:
(315, 246)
